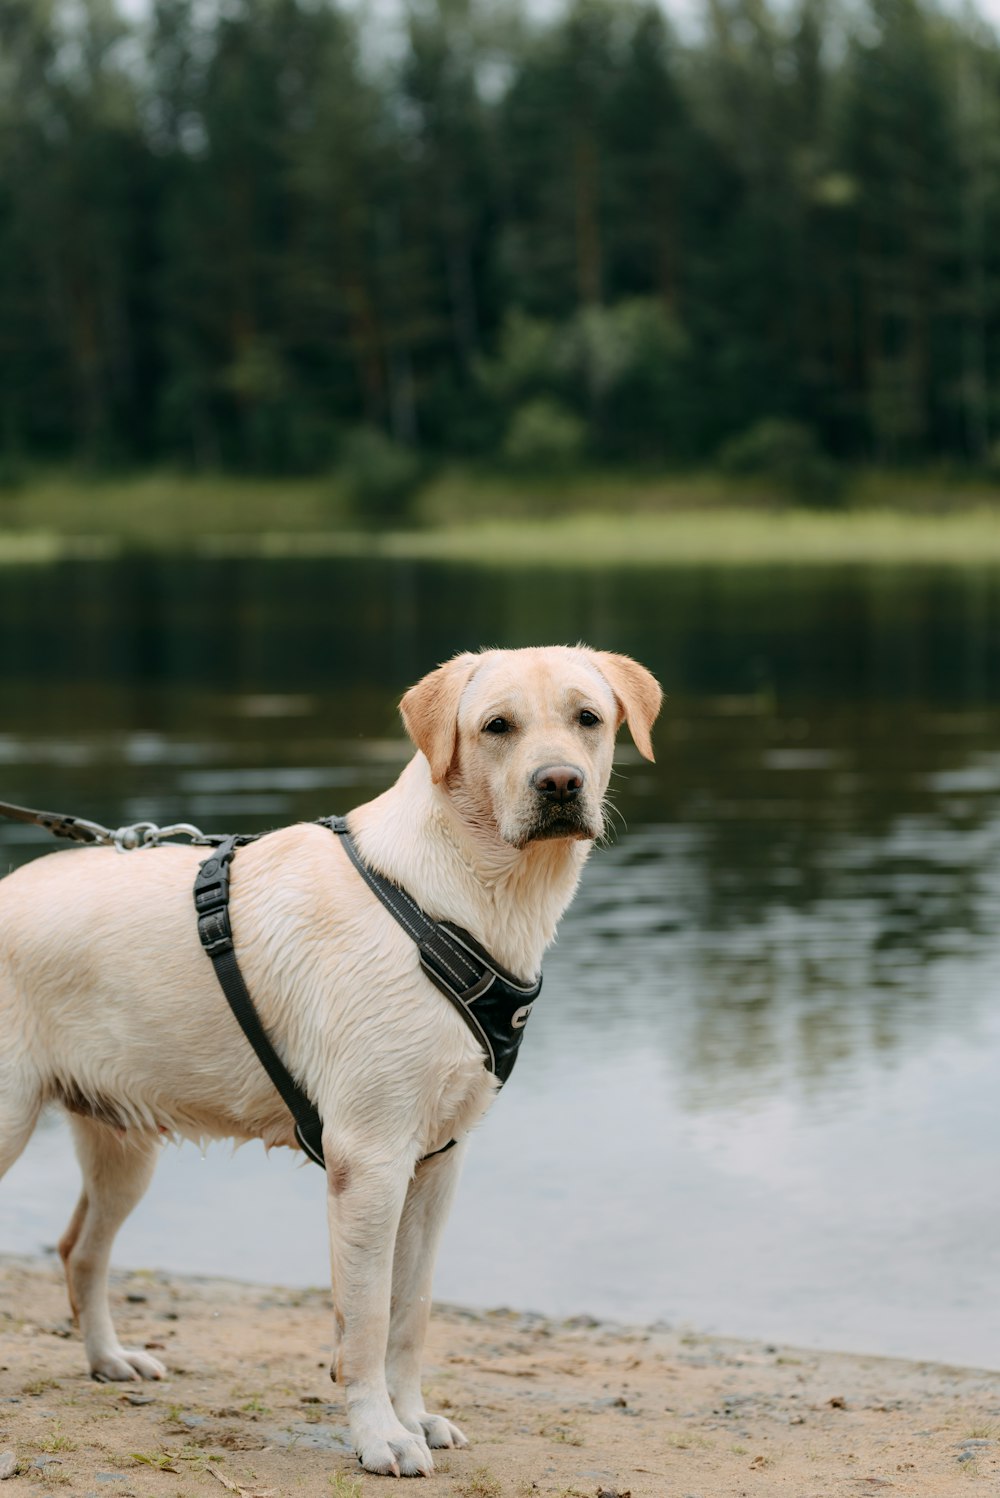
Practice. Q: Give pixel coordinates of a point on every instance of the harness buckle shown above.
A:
(215, 932)
(211, 898)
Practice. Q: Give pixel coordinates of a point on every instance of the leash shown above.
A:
(125, 839)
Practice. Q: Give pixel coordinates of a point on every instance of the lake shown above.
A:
(760, 1093)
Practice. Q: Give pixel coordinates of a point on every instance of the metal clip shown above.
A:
(125, 839)
(149, 835)
(155, 835)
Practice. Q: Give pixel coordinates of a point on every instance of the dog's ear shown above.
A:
(430, 712)
(638, 693)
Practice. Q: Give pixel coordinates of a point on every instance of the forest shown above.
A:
(275, 236)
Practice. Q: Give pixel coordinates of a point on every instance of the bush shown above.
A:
(544, 436)
(614, 377)
(525, 363)
(380, 476)
(633, 359)
(787, 455)
(12, 472)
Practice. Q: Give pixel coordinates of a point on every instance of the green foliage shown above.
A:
(544, 437)
(611, 379)
(381, 477)
(344, 1486)
(525, 363)
(229, 232)
(787, 455)
(629, 364)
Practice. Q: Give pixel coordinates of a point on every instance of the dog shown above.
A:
(109, 1006)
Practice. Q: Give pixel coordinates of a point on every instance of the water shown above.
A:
(760, 1092)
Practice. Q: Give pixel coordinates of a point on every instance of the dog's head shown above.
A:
(524, 739)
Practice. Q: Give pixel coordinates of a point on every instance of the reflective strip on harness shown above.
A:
(494, 1004)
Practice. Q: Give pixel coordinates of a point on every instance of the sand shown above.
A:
(551, 1407)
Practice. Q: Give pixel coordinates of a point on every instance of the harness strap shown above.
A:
(455, 962)
(211, 899)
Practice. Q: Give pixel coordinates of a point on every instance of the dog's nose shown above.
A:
(558, 782)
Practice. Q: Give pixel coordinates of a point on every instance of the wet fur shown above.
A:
(109, 1007)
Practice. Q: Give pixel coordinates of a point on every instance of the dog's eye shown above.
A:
(498, 725)
(587, 719)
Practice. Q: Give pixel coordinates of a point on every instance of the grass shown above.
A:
(591, 519)
(343, 1486)
(56, 1442)
(161, 509)
(722, 537)
(566, 1435)
(159, 1459)
(39, 1386)
(480, 1483)
(194, 1459)
(738, 537)
(687, 1441)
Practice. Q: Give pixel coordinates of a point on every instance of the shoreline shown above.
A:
(730, 538)
(559, 1408)
(469, 516)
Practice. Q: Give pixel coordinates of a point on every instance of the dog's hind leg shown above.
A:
(116, 1168)
(67, 1243)
(424, 1212)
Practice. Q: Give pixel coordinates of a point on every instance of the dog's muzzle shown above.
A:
(560, 807)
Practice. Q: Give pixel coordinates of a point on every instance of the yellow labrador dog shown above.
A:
(109, 1006)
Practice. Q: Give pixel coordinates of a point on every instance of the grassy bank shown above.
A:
(588, 520)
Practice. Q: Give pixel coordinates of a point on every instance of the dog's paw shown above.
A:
(399, 1453)
(124, 1364)
(438, 1432)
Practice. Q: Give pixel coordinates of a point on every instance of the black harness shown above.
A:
(493, 1003)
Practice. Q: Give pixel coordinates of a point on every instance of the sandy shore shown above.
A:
(551, 1408)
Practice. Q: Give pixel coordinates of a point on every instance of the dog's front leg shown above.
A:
(364, 1205)
(424, 1214)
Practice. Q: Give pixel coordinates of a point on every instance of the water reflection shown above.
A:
(783, 971)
